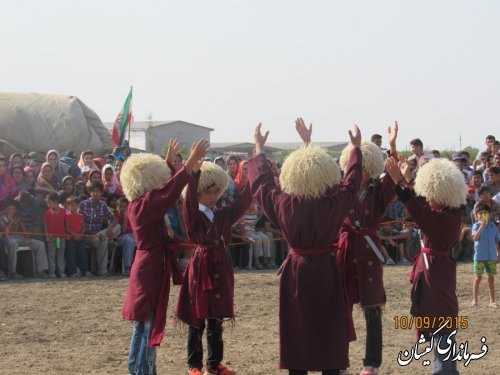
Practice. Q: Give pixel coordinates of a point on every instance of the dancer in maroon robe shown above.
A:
(147, 184)
(360, 258)
(315, 324)
(436, 203)
(208, 287)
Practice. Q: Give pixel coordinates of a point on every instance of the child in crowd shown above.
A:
(14, 229)
(206, 295)
(55, 235)
(395, 240)
(87, 160)
(75, 244)
(150, 189)
(126, 240)
(486, 252)
(111, 183)
(81, 191)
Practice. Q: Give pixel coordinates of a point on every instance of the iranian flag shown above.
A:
(123, 121)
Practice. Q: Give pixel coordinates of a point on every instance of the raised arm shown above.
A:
(304, 132)
(240, 206)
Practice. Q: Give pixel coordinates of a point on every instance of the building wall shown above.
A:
(186, 134)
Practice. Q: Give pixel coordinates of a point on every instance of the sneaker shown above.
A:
(404, 262)
(195, 371)
(390, 262)
(15, 276)
(220, 370)
(369, 370)
(3, 276)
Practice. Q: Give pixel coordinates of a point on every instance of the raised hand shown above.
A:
(196, 156)
(304, 132)
(259, 139)
(355, 136)
(174, 148)
(392, 168)
(405, 169)
(392, 134)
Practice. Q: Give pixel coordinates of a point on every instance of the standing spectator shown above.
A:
(485, 198)
(7, 185)
(75, 246)
(126, 241)
(241, 176)
(87, 160)
(232, 163)
(35, 161)
(45, 183)
(16, 160)
(435, 154)
(486, 252)
(377, 139)
(97, 216)
(60, 169)
(17, 174)
(109, 159)
(118, 166)
(460, 161)
(219, 160)
(68, 185)
(477, 183)
(489, 141)
(81, 191)
(12, 225)
(177, 162)
(494, 180)
(111, 183)
(29, 179)
(95, 175)
(55, 235)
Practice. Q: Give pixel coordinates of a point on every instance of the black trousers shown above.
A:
(304, 372)
(373, 349)
(215, 345)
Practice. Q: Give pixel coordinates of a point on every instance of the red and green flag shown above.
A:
(123, 121)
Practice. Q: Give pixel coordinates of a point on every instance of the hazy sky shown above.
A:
(432, 65)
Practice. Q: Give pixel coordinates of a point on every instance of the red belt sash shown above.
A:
(428, 251)
(170, 266)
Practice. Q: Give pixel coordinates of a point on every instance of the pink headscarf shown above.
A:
(114, 186)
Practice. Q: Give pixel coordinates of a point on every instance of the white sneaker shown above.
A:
(390, 262)
(404, 261)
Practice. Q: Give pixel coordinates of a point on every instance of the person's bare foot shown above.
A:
(493, 304)
(473, 303)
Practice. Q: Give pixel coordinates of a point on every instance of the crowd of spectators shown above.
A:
(72, 214)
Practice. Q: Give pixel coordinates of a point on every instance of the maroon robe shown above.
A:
(315, 320)
(434, 290)
(361, 268)
(155, 256)
(208, 287)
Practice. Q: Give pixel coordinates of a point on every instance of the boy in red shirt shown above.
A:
(75, 245)
(55, 234)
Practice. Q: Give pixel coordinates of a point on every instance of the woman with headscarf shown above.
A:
(30, 179)
(16, 160)
(110, 182)
(315, 323)
(60, 169)
(7, 185)
(45, 184)
(241, 176)
(17, 174)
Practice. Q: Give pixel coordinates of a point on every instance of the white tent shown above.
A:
(41, 122)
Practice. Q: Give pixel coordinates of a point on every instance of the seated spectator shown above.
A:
(7, 185)
(96, 218)
(29, 213)
(240, 250)
(17, 174)
(30, 179)
(13, 228)
(35, 161)
(4, 261)
(111, 183)
(87, 160)
(60, 169)
(126, 241)
(75, 246)
(260, 243)
(394, 240)
(395, 211)
(112, 201)
(109, 159)
(55, 235)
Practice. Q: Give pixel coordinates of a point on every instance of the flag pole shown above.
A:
(130, 123)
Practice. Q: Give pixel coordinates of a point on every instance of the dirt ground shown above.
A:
(75, 327)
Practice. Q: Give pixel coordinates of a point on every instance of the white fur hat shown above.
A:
(142, 173)
(373, 160)
(441, 180)
(309, 171)
(212, 174)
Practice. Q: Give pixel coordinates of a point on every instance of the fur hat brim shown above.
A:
(373, 159)
(309, 172)
(212, 174)
(442, 181)
(142, 173)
